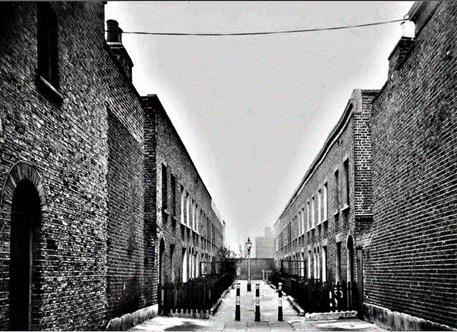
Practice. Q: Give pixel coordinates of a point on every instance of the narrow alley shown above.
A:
(224, 318)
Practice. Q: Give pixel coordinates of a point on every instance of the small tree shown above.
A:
(225, 257)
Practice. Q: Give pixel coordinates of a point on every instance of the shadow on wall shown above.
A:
(129, 300)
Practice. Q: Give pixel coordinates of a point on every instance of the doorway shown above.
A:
(24, 246)
(161, 262)
(350, 259)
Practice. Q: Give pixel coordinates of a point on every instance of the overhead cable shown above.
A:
(203, 34)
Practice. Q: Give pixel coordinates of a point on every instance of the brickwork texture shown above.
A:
(80, 142)
(412, 265)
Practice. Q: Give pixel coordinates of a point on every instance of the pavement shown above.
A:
(224, 318)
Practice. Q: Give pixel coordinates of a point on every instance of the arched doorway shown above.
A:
(24, 249)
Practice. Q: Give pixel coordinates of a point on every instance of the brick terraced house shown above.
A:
(383, 212)
(326, 218)
(189, 230)
(78, 234)
(411, 258)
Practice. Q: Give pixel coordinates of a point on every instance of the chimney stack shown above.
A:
(400, 53)
(114, 42)
(114, 34)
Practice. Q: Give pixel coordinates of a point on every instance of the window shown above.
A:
(313, 214)
(47, 38)
(308, 209)
(164, 187)
(337, 190)
(309, 265)
(289, 233)
(304, 224)
(315, 274)
(346, 181)
(324, 263)
(319, 206)
(338, 262)
(183, 206)
(324, 201)
(173, 193)
(298, 225)
(187, 210)
(194, 215)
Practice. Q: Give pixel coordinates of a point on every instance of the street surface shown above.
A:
(224, 318)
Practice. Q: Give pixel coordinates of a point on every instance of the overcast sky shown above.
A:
(254, 111)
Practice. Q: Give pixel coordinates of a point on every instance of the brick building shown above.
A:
(71, 169)
(327, 216)
(178, 203)
(264, 245)
(411, 257)
(397, 235)
(78, 233)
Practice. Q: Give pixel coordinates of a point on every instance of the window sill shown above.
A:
(49, 89)
(166, 211)
(345, 208)
(336, 213)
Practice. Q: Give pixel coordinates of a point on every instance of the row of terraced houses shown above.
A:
(100, 202)
(378, 205)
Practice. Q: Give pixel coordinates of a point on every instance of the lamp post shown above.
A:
(248, 246)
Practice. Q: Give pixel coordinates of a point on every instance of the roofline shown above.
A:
(182, 143)
(331, 138)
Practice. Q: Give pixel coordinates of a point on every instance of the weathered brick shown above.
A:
(348, 213)
(82, 148)
(412, 263)
(165, 150)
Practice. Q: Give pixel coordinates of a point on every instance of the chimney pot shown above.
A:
(408, 29)
(114, 34)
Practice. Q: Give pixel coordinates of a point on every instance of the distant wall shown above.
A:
(257, 265)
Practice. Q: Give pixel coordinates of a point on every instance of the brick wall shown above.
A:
(257, 266)
(167, 156)
(412, 263)
(125, 220)
(61, 145)
(349, 141)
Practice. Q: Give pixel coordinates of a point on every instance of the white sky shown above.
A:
(254, 111)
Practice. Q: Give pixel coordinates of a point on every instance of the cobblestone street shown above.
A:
(224, 318)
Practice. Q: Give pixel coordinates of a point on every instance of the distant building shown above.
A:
(264, 245)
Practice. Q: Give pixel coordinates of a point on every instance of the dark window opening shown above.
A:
(346, 180)
(47, 44)
(173, 193)
(164, 187)
(337, 189)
